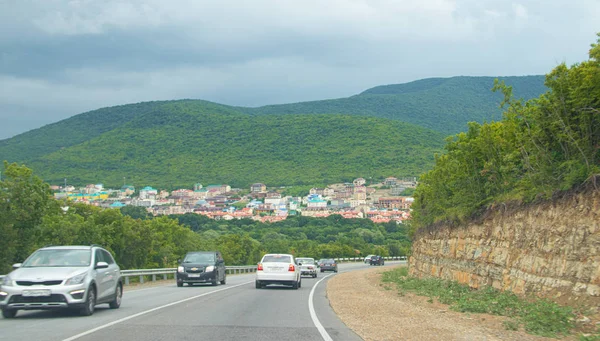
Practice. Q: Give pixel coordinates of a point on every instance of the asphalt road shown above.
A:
(234, 311)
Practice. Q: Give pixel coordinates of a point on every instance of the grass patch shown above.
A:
(536, 316)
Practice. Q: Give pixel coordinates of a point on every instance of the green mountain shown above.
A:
(391, 130)
(187, 141)
(441, 104)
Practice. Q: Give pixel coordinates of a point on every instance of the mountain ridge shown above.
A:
(433, 108)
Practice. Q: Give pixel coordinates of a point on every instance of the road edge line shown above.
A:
(313, 314)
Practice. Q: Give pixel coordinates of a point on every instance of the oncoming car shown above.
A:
(308, 267)
(74, 277)
(278, 269)
(201, 267)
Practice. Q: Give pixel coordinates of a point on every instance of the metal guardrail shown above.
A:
(165, 272)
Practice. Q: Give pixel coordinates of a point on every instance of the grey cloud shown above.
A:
(59, 58)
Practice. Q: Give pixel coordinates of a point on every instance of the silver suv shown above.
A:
(76, 277)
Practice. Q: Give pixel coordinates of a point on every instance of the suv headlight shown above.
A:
(210, 268)
(7, 282)
(77, 279)
(180, 269)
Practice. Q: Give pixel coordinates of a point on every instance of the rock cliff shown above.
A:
(550, 249)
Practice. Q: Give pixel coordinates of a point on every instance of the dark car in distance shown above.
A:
(201, 267)
(329, 265)
(376, 260)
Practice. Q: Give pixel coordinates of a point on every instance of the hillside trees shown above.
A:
(24, 200)
(543, 145)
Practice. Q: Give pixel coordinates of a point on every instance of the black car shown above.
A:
(329, 265)
(201, 267)
(376, 260)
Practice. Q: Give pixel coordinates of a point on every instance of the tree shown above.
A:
(24, 200)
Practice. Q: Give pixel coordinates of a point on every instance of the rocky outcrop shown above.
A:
(551, 249)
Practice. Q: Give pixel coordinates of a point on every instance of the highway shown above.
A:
(234, 311)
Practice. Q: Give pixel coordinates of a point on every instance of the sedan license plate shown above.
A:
(193, 275)
(36, 293)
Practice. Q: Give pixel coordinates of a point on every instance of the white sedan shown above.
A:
(278, 269)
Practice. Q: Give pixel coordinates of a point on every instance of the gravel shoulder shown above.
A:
(375, 313)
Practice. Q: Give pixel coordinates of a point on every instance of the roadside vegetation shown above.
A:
(535, 316)
(31, 218)
(542, 146)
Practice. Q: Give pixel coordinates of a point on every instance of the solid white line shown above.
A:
(313, 314)
(149, 311)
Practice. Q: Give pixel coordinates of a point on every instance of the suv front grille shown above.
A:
(30, 283)
(197, 271)
(41, 299)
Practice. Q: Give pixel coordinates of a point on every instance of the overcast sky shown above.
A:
(59, 58)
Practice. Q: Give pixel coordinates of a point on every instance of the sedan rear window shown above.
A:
(276, 259)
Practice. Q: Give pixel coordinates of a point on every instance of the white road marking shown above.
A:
(149, 311)
(313, 314)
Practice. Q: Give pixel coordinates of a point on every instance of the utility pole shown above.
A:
(65, 188)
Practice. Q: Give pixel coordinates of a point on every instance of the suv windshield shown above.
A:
(199, 258)
(305, 260)
(276, 259)
(59, 257)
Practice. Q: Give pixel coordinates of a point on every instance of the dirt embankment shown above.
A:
(379, 314)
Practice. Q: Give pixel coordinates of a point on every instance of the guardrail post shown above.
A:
(153, 278)
(165, 277)
(141, 279)
(126, 280)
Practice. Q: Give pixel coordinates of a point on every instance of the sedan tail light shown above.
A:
(292, 268)
(259, 267)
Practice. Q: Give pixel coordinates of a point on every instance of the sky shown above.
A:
(59, 58)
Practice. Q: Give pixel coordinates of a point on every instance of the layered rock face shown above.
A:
(550, 249)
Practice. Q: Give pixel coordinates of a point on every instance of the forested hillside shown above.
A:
(188, 146)
(378, 133)
(441, 104)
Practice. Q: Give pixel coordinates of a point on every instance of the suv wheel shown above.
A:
(258, 285)
(116, 303)
(223, 281)
(180, 284)
(9, 313)
(90, 303)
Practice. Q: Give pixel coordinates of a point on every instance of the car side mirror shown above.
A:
(16, 265)
(101, 265)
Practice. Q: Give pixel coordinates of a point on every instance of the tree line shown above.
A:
(541, 146)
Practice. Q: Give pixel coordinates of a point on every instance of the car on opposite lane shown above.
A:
(278, 269)
(201, 267)
(60, 277)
